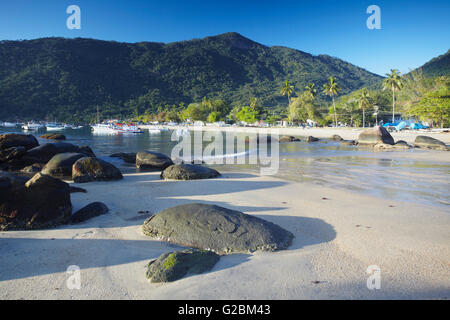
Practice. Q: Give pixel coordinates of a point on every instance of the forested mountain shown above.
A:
(68, 79)
(439, 66)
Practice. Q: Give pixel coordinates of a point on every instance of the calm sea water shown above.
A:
(386, 174)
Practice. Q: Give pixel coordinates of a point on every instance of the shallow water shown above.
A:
(392, 175)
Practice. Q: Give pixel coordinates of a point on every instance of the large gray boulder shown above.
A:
(374, 136)
(175, 265)
(12, 153)
(288, 139)
(188, 172)
(128, 157)
(45, 152)
(221, 230)
(152, 160)
(40, 202)
(92, 210)
(10, 140)
(93, 169)
(53, 136)
(429, 142)
(60, 166)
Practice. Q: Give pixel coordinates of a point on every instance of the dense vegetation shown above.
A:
(68, 79)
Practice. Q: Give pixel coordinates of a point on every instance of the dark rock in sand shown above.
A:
(60, 166)
(93, 169)
(34, 168)
(311, 139)
(429, 143)
(87, 151)
(129, 157)
(336, 137)
(12, 153)
(92, 210)
(348, 143)
(175, 265)
(53, 136)
(188, 172)
(375, 135)
(288, 139)
(215, 228)
(10, 140)
(41, 202)
(77, 189)
(401, 145)
(152, 160)
(45, 152)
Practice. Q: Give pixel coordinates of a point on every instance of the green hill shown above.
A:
(439, 66)
(68, 78)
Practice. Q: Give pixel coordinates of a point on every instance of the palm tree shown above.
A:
(363, 100)
(393, 82)
(287, 89)
(311, 90)
(332, 88)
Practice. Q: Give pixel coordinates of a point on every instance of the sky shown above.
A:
(412, 32)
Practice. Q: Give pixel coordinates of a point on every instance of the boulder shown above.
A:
(175, 265)
(375, 135)
(87, 151)
(288, 139)
(92, 210)
(336, 137)
(221, 230)
(188, 172)
(53, 136)
(45, 152)
(348, 143)
(383, 146)
(10, 140)
(12, 153)
(60, 166)
(152, 160)
(401, 145)
(127, 157)
(40, 202)
(74, 189)
(34, 168)
(429, 143)
(93, 169)
(311, 139)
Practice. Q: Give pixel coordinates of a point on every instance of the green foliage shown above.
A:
(435, 105)
(66, 79)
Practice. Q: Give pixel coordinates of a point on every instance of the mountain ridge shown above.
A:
(60, 77)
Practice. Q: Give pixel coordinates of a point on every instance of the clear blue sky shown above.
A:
(412, 32)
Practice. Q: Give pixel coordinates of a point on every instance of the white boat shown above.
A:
(31, 126)
(128, 128)
(104, 128)
(54, 127)
(11, 124)
(154, 130)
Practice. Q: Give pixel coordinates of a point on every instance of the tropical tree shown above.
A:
(287, 89)
(332, 89)
(363, 101)
(393, 82)
(311, 90)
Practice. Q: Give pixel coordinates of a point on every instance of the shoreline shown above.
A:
(323, 133)
(336, 239)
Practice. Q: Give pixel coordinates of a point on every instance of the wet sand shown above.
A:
(338, 235)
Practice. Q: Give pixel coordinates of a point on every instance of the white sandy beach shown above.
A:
(325, 132)
(335, 241)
